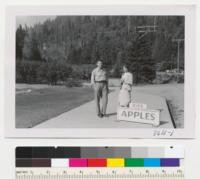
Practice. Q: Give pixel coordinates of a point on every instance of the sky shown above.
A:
(31, 20)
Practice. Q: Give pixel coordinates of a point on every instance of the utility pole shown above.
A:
(144, 29)
(154, 23)
(128, 24)
(178, 41)
(141, 33)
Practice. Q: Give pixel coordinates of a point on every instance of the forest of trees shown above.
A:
(68, 47)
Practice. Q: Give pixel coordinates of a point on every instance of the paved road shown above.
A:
(85, 116)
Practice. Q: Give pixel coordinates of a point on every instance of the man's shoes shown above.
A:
(104, 115)
(100, 115)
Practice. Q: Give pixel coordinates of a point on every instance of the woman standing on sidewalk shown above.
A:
(126, 87)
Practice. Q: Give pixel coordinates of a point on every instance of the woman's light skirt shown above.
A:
(124, 97)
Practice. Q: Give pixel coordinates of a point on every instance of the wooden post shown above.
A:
(178, 41)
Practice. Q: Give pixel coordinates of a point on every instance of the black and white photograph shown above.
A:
(75, 71)
(100, 71)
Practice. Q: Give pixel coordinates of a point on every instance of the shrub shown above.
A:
(42, 72)
(73, 83)
(57, 72)
(26, 71)
(180, 78)
(163, 78)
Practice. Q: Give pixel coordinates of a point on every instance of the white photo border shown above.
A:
(189, 86)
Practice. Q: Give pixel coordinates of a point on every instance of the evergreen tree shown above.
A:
(139, 59)
(31, 49)
(20, 35)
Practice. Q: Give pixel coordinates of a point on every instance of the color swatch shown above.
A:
(115, 162)
(109, 162)
(99, 152)
(97, 162)
(97, 157)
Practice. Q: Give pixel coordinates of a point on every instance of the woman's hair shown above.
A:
(126, 66)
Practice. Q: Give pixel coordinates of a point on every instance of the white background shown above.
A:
(189, 102)
(7, 146)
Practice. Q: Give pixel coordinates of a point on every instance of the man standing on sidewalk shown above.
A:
(99, 81)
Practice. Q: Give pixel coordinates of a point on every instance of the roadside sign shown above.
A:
(145, 116)
(138, 106)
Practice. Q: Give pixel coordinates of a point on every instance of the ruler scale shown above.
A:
(99, 163)
(97, 173)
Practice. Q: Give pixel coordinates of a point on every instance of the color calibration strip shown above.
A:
(99, 152)
(97, 162)
(99, 157)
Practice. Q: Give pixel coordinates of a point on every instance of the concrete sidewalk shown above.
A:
(85, 116)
